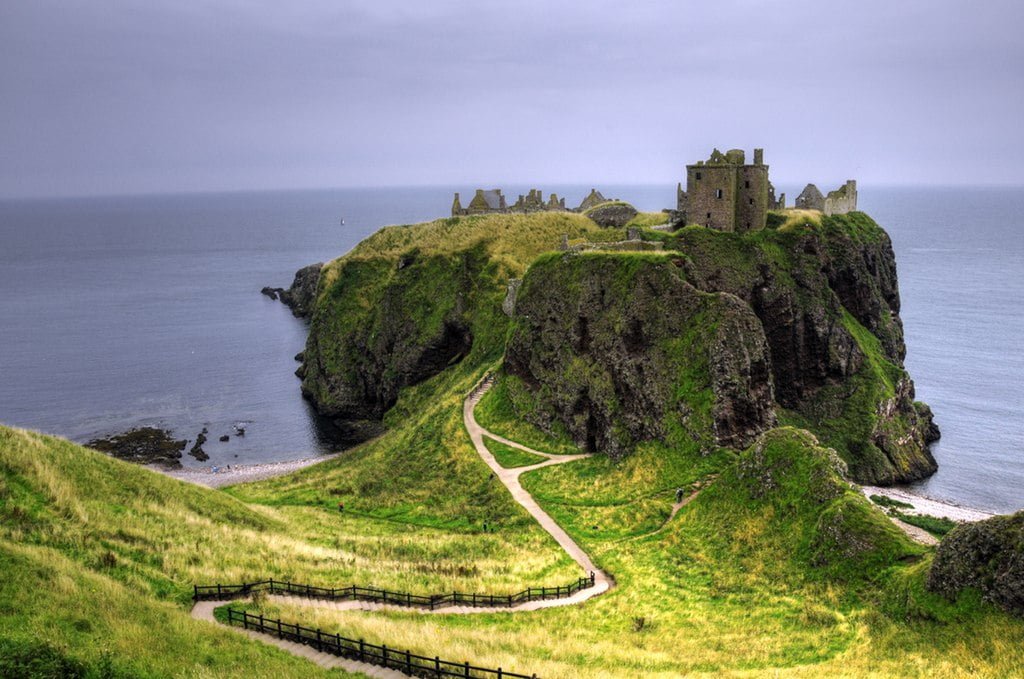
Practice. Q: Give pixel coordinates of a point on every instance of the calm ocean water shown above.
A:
(128, 311)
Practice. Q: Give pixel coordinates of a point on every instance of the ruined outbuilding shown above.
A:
(493, 202)
(838, 202)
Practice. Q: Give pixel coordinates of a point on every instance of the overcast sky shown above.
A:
(102, 96)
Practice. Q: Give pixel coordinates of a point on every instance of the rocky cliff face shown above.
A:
(711, 341)
(815, 309)
(301, 296)
(624, 349)
(385, 326)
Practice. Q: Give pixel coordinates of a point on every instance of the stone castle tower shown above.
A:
(726, 193)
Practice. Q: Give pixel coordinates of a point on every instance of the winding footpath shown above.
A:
(510, 477)
(203, 610)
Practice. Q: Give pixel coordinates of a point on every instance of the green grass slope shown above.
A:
(775, 568)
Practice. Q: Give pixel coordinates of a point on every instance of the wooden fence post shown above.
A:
(467, 668)
(362, 650)
(384, 652)
(437, 665)
(408, 661)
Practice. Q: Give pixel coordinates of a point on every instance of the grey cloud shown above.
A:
(105, 97)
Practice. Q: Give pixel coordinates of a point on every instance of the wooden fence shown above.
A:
(356, 649)
(383, 596)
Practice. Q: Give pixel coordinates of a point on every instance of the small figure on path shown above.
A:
(679, 495)
(341, 506)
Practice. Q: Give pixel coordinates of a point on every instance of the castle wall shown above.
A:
(752, 198)
(711, 196)
(842, 200)
(727, 194)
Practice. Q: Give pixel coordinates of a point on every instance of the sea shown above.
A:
(120, 312)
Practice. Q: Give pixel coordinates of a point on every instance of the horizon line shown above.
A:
(447, 187)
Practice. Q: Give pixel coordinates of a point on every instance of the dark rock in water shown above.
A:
(612, 215)
(197, 448)
(988, 556)
(302, 294)
(225, 438)
(301, 356)
(146, 445)
(239, 431)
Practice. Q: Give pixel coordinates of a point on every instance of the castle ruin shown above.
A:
(728, 194)
(838, 202)
(493, 202)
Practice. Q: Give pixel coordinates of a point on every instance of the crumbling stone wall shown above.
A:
(842, 200)
(838, 202)
(810, 199)
(493, 202)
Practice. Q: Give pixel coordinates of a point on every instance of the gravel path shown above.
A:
(510, 477)
(203, 610)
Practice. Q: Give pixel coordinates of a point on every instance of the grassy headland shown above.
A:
(777, 567)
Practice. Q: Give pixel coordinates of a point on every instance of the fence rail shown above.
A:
(383, 596)
(357, 649)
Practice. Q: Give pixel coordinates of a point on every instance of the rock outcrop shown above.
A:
(301, 296)
(622, 356)
(145, 445)
(828, 300)
(405, 324)
(988, 556)
(613, 214)
(712, 339)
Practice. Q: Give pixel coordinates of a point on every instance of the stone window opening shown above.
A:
(751, 201)
(746, 184)
(697, 176)
(718, 193)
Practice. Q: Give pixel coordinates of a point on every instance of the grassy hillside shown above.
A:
(775, 567)
(98, 554)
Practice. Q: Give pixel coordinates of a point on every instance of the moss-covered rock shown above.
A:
(826, 295)
(619, 348)
(796, 485)
(707, 341)
(612, 214)
(987, 556)
(410, 301)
